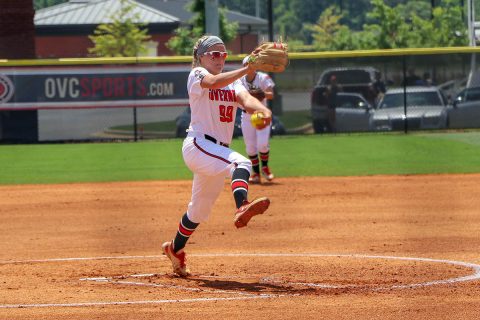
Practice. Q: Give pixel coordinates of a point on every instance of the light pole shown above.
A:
(270, 20)
(471, 38)
(212, 25)
(471, 23)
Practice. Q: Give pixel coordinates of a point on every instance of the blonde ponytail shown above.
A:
(196, 59)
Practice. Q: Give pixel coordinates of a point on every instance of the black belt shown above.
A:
(215, 140)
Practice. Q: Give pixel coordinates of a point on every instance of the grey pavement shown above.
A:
(81, 124)
(294, 101)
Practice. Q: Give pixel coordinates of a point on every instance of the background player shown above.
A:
(214, 97)
(260, 85)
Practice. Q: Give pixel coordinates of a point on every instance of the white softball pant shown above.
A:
(210, 163)
(255, 140)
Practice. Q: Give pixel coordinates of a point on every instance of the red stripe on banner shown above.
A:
(239, 184)
(208, 153)
(184, 231)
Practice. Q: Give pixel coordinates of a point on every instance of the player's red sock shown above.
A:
(255, 163)
(264, 157)
(185, 230)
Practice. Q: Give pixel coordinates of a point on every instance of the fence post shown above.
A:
(405, 123)
(135, 125)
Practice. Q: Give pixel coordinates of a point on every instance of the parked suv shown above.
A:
(358, 80)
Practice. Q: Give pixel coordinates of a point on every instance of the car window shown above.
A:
(396, 100)
(344, 102)
(350, 102)
(424, 99)
(346, 105)
(392, 101)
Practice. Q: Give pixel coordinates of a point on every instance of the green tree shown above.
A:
(291, 15)
(286, 22)
(184, 40)
(419, 8)
(185, 37)
(325, 30)
(447, 28)
(402, 26)
(40, 4)
(124, 37)
(388, 28)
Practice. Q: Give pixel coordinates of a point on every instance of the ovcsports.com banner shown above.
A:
(65, 88)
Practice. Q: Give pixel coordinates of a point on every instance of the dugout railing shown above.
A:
(142, 98)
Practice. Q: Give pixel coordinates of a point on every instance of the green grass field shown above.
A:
(311, 155)
(290, 119)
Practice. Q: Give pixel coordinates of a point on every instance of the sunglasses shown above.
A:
(216, 54)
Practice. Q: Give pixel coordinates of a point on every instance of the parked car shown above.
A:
(351, 80)
(183, 122)
(353, 112)
(465, 112)
(426, 109)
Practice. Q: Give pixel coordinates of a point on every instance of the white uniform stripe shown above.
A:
(183, 235)
(238, 180)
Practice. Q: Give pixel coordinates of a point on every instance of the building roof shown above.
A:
(87, 13)
(178, 8)
(94, 12)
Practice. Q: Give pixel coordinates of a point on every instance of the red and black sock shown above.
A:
(264, 157)
(185, 230)
(255, 163)
(240, 185)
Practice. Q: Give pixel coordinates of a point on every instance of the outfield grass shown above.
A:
(313, 155)
(295, 119)
(290, 119)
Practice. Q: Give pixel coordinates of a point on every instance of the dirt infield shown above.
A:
(382, 247)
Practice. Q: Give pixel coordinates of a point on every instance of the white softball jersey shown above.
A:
(256, 140)
(206, 149)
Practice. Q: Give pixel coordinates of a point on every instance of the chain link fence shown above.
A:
(319, 93)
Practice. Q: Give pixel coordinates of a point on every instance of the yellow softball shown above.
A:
(257, 119)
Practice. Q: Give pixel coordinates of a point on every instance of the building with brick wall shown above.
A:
(62, 31)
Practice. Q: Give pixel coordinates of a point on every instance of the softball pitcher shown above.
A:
(214, 96)
(260, 85)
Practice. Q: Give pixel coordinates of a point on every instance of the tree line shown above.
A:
(312, 25)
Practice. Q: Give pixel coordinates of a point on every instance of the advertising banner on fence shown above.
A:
(87, 87)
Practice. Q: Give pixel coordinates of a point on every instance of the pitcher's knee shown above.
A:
(245, 164)
(264, 148)
(251, 150)
(199, 212)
